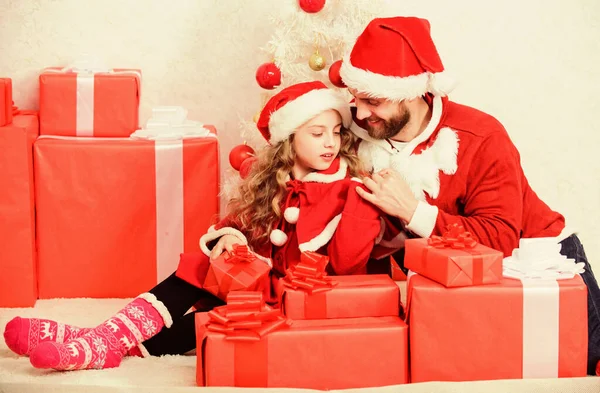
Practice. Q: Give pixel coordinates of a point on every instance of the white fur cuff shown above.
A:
(423, 219)
(212, 235)
(159, 307)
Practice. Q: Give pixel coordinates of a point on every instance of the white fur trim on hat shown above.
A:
(322, 238)
(292, 115)
(395, 88)
(291, 214)
(213, 234)
(278, 237)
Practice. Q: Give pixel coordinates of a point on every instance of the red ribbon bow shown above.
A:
(455, 237)
(246, 317)
(240, 253)
(309, 275)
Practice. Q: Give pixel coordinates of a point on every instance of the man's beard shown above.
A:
(390, 128)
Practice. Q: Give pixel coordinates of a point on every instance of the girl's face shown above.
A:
(317, 143)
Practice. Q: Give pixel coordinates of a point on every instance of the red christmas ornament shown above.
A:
(268, 76)
(334, 74)
(311, 6)
(238, 154)
(246, 167)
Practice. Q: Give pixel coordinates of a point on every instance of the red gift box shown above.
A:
(18, 279)
(306, 292)
(6, 107)
(82, 103)
(257, 349)
(351, 297)
(241, 270)
(114, 214)
(454, 260)
(511, 330)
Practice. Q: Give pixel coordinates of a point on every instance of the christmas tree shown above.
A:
(309, 40)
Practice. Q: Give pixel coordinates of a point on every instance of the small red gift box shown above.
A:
(307, 293)
(6, 107)
(114, 214)
(84, 103)
(247, 344)
(511, 330)
(454, 260)
(241, 270)
(18, 276)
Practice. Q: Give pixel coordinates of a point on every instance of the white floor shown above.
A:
(177, 373)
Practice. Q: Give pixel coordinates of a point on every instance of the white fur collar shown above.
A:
(421, 171)
(320, 177)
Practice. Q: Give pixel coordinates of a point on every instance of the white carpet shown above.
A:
(177, 373)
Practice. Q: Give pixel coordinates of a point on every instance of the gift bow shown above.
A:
(246, 317)
(309, 275)
(455, 237)
(241, 253)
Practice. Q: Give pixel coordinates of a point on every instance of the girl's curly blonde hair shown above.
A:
(258, 200)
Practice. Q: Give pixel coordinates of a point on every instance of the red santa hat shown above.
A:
(396, 59)
(297, 104)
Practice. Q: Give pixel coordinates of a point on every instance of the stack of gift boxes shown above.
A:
(91, 205)
(329, 333)
(465, 322)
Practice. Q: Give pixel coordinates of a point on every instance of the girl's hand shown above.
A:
(225, 243)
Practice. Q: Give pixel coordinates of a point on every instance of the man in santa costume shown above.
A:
(436, 162)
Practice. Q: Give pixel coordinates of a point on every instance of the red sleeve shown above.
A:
(354, 238)
(493, 206)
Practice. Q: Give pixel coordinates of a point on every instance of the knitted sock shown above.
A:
(23, 335)
(105, 345)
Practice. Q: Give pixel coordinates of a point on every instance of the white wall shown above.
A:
(532, 64)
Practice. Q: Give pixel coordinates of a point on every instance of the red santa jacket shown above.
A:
(464, 169)
(322, 213)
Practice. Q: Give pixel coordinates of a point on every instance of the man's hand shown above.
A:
(390, 193)
(225, 243)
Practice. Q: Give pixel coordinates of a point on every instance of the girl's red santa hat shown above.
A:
(396, 59)
(297, 104)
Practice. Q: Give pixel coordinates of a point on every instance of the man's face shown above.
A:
(384, 119)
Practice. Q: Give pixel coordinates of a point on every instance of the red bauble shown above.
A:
(334, 74)
(311, 6)
(238, 154)
(268, 76)
(246, 167)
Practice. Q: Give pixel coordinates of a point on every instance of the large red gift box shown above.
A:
(454, 260)
(310, 354)
(6, 107)
(357, 296)
(511, 330)
(18, 279)
(83, 103)
(114, 214)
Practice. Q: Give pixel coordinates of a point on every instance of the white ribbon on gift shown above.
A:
(168, 127)
(541, 314)
(85, 71)
(540, 258)
(538, 264)
(171, 123)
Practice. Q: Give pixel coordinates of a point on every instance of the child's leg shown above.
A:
(181, 337)
(105, 345)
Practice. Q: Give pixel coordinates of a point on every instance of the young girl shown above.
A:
(300, 195)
